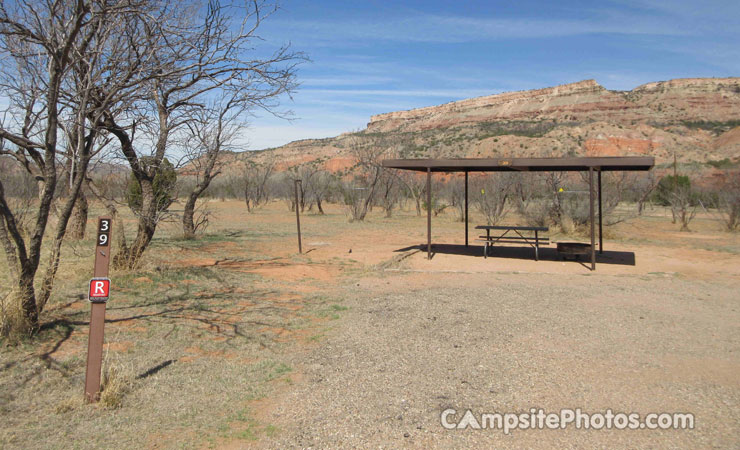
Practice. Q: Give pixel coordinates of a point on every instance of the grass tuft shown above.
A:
(117, 381)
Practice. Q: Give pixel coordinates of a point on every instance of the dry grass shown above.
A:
(188, 346)
(116, 382)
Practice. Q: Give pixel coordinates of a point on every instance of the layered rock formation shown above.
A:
(705, 99)
(697, 119)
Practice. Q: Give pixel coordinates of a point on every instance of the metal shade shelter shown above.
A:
(569, 164)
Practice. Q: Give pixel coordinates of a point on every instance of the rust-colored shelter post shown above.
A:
(97, 313)
(601, 238)
(591, 215)
(466, 208)
(429, 213)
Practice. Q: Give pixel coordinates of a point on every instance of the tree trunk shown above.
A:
(188, 227)
(246, 196)
(318, 205)
(47, 282)
(10, 252)
(27, 296)
(147, 225)
(79, 218)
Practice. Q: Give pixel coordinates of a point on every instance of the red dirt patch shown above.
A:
(299, 272)
(122, 346)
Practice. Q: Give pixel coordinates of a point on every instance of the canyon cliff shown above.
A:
(697, 119)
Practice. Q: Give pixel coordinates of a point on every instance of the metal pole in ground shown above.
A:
(601, 234)
(591, 215)
(429, 213)
(98, 293)
(466, 208)
(298, 215)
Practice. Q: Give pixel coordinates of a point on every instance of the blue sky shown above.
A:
(370, 57)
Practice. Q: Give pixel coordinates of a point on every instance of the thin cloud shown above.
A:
(427, 28)
(344, 81)
(450, 93)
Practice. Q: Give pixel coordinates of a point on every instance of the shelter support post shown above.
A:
(591, 215)
(601, 234)
(429, 213)
(466, 208)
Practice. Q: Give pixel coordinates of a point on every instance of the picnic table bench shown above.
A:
(534, 241)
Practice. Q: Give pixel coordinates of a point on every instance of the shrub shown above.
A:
(164, 185)
(668, 185)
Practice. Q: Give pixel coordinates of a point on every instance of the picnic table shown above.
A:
(504, 237)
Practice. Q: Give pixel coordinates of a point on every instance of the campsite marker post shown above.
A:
(98, 293)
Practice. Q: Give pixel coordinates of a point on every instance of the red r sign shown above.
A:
(99, 290)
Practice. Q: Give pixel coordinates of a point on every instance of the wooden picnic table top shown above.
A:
(510, 227)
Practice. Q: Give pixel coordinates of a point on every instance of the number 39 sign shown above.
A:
(103, 232)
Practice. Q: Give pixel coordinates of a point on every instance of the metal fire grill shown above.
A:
(572, 250)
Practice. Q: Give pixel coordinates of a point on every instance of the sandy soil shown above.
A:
(512, 342)
(654, 329)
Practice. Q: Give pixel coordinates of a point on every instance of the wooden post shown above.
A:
(591, 215)
(466, 208)
(97, 312)
(429, 213)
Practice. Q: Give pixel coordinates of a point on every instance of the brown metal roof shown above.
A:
(604, 163)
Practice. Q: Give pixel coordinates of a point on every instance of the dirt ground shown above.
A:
(236, 341)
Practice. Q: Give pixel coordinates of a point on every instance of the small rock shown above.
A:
(406, 435)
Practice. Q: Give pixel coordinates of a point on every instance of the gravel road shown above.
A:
(412, 345)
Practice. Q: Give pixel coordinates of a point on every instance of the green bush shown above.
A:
(164, 185)
(721, 164)
(667, 186)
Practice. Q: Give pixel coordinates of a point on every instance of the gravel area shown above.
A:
(413, 345)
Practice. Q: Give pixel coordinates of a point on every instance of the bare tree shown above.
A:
(728, 203)
(366, 173)
(57, 54)
(643, 187)
(256, 178)
(389, 193)
(683, 205)
(491, 194)
(415, 185)
(316, 184)
(211, 130)
(197, 53)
